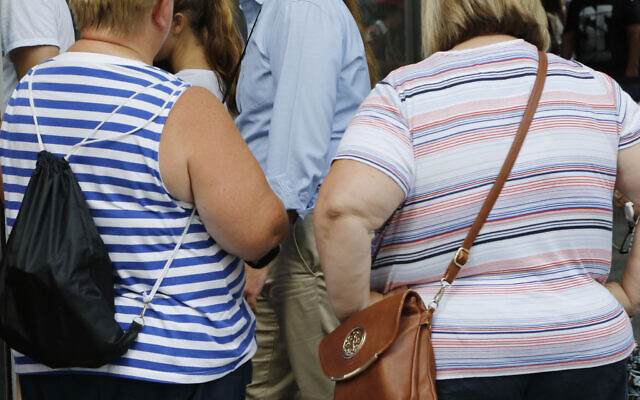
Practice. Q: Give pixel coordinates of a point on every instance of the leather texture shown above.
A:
(398, 328)
(397, 331)
(56, 278)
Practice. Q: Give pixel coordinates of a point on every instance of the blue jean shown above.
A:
(107, 387)
(608, 382)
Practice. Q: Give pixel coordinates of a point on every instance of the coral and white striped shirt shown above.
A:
(531, 298)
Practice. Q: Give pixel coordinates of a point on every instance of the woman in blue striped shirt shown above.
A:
(141, 188)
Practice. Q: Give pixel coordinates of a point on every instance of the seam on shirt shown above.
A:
(404, 112)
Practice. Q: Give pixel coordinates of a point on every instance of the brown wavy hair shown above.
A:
(372, 63)
(212, 23)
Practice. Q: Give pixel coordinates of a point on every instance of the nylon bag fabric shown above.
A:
(56, 280)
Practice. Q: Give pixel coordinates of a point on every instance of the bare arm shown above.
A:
(203, 159)
(633, 67)
(25, 58)
(628, 182)
(355, 199)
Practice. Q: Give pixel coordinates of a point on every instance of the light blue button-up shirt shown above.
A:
(302, 79)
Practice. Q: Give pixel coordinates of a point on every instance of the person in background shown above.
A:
(605, 35)
(204, 47)
(1, 51)
(142, 188)
(386, 34)
(529, 316)
(32, 31)
(556, 12)
(304, 74)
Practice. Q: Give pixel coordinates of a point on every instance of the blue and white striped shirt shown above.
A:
(198, 327)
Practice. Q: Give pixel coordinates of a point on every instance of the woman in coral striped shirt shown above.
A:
(530, 311)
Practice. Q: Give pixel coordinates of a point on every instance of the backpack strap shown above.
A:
(146, 298)
(87, 139)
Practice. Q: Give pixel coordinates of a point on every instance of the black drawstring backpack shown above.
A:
(56, 278)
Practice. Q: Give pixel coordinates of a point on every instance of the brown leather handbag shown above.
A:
(385, 350)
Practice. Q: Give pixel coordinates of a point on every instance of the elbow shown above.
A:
(270, 229)
(277, 228)
(326, 213)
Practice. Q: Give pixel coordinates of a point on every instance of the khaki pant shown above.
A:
(294, 315)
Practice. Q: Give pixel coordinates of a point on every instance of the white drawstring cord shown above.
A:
(147, 298)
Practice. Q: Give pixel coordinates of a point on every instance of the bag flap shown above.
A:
(354, 345)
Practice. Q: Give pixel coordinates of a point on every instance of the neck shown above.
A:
(94, 41)
(189, 54)
(484, 40)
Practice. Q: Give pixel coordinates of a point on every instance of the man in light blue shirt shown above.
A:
(304, 75)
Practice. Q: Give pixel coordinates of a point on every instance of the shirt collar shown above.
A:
(245, 3)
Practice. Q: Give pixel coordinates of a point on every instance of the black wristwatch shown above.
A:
(266, 259)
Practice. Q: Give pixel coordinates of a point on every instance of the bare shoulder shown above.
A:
(204, 160)
(197, 122)
(197, 107)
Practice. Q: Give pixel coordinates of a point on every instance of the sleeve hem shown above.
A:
(31, 42)
(385, 169)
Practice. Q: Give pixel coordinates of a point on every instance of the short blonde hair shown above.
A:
(122, 17)
(446, 23)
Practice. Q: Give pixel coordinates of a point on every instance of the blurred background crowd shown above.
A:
(602, 34)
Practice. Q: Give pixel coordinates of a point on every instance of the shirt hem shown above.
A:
(524, 370)
(31, 42)
(144, 375)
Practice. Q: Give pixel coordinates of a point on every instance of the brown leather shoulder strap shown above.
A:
(462, 255)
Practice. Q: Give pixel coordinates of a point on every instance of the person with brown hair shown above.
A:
(155, 159)
(530, 315)
(204, 47)
(304, 75)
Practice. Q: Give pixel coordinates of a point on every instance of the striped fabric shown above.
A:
(531, 299)
(198, 327)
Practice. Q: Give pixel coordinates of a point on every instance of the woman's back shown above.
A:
(197, 327)
(531, 298)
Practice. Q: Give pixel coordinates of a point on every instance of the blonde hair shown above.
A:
(122, 17)
(446, 23)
